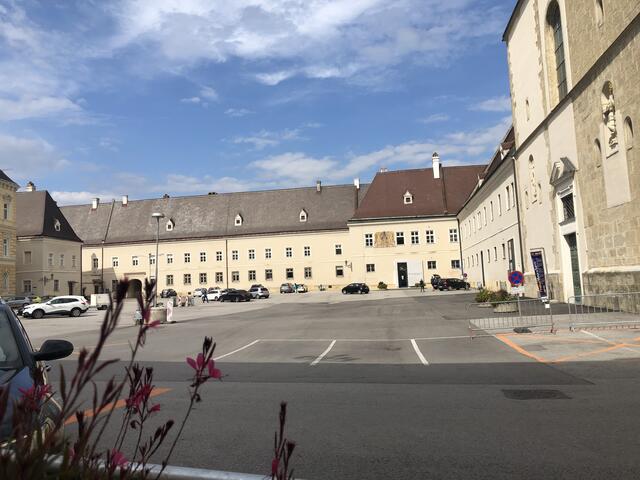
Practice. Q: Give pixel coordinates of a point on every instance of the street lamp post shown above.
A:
(157, 216)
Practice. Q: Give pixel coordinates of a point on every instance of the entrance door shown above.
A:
(575, 264)
(403, 277)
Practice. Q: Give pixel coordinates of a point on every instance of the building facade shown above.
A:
(8, 189)
(398, 230)
(573, 68)
(489, 223)
(48, 250)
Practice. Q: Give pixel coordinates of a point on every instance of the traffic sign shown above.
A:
(516, 278)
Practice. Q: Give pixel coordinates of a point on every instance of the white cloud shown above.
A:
(29, 158)
(209, 93)
(30, 107)
(237, 112)
(195, 100)
(434, 118)
(496, 104)
(75, 198)
(266, 138)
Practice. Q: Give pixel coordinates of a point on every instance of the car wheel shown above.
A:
(37, 314)
(75, 312)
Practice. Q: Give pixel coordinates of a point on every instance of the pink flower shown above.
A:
(200, 360)
(154, 324)
(213, 372)
(154, 409)
(118, 459)
(274, 466)
(192, 363)
(35, 395)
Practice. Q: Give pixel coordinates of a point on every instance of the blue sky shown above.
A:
(184, 97)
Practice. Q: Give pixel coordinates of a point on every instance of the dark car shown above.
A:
(287, 288)
(435, 280)
(235, 296)
(356, 288)
(168, 292)
(452, 284)
(20, 365)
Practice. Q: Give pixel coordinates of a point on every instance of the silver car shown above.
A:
(259, 292)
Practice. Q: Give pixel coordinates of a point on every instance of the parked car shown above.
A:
(356, 288)
(213, 294)
(72, 305)
(301, 288)
(452, 284)
(19, 364)
(17, 303)
(286, 288)
(435, 280)
(198, 292)
(257, 285)
(101, 301)
(168, 292)
(235, 296)
(259, 292)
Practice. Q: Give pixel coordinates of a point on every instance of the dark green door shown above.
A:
(575, 263)
(403, 278)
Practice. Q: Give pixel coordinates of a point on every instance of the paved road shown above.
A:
(389, 388)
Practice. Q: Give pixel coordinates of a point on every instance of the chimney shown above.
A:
(383, 170)
(356, 183)
(94, 203)
(436, 165)
(318, 186)
(125, 200)
(31, 187)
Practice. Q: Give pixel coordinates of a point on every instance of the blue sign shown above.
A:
(537, 260)
(516, 278)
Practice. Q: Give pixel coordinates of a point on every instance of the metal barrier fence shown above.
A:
(511, 314)
(605, 310)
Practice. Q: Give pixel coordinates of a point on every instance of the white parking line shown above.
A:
(322, 355)
(608, 341)
(237, 350)
(418, 352)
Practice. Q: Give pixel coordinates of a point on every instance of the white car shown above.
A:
(214, 294)
(301, 288)
(72, 305)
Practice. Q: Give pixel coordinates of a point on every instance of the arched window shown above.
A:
(532, 180)
(170, 225)
(628, 132)
(597, 152)
(238, 221)
(527, 109)
(303, 215)
(556, 42)
(599, 12)
(56, 225)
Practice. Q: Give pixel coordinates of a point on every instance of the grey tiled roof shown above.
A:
(211, 216)
(37, 213)
(5, 177)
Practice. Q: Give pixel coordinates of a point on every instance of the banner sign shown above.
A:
(537, 259)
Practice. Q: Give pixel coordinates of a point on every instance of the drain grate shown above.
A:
(536, 394)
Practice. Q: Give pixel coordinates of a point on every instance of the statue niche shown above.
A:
(609, 118)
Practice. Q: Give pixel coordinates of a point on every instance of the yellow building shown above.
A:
(8, 190)
(48, 250)
(398, 230)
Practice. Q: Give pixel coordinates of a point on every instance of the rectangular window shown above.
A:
(94, 262)
(307, 272)
(484, 215)
(399, 238)
(267, 253)
(203, 256)
(115, 261)
(5, 211)
(152, 259)
(491, 209)
(169, 280)
(218, 256)
(508, 190)
(26, 286)
(187, 258)
(431, 264)
(252, 254)
(339, 271)
(504, 252)
(415, 238)
(338, 249)
(252, 275)
(431, 237)
(219, 277)
(234, 254)
(368, 239)
(513, 195)
(288, 252)
(455, 264)
(134, 261)
(203, 278)
(186, 279)
(56, 285)
(567, 207)
(73, 261)
(62, 259)
(499, 205)
(512, 255)
(289, 274)
(235, 276)
(495, 254)
(169, 258)
(5, 249)
(307, 251)
(27, 258)
(268, 274)
(371, 267)
(453, 235)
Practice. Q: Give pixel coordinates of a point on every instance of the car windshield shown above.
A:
(9, 353)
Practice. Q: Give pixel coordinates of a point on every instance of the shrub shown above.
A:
(382, 286)
(483, 295)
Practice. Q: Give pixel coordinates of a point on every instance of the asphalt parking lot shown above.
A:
(389, 385)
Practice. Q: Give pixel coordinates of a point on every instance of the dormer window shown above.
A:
(56, 225)
(303, 215)
(238, 221)
(170, 225)
(408, 198)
